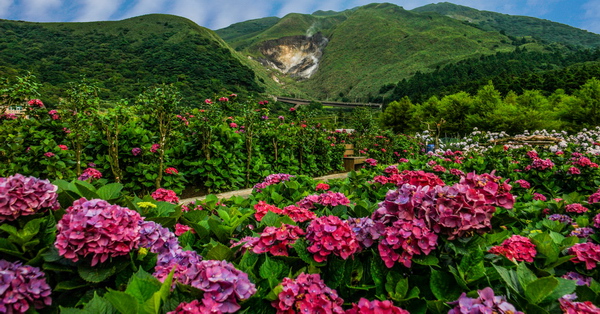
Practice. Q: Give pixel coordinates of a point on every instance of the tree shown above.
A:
(397, 115)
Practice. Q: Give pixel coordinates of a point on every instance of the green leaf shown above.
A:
(152, 305)
(219, 252)
(335, 272)
(427, 260)
(270, 268)
(546, 246)
(565, 286)
(277, 198)
(525, 275)
(70, 285)
(142, 286)
(99, 305)
(187, 238)
(110, 191)
(85, 189)
(539, 289)
(97, 273)
(122, 302)
(300, 246)
(378, 274)
(509, 277)
(443, 286)
(270, 219)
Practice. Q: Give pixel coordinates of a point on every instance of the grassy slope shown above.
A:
(516, 26)
(383, 43)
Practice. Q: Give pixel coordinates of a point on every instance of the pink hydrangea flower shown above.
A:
(272, 179)
(574, 170)
(569, 306)
(262, 208)
(181, 229)
(97, 229)
(588, 253)
(328, 198)
(576, 208)
(307, 294)
(90, 173)
(524, 184)
(322, 187)
(23, 196)
(22, 287)
(274, 240)
(63, 147)
(539, 197)
(49, 154)
(36, 103)
(154, 148)
(164, 195)
(136, 151)
(298, 214)
(371, 162)
(171, 170)
(365, 306)
(516, 248)
(330, 235)
(405, 239)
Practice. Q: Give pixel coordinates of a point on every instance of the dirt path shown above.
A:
(246, 192)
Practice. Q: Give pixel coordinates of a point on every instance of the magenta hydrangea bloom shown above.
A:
(588, 253)
(307, 294)
(371, 162)
(23, 196)
(274, 240)
(582, 233)
(194, 307)
(21, 287)
(298, 214)
(262, 208)
(136, 151)
(164, 195)
(522, 183)
(272, 179)
(516, 248)
(365, 306)
(222, 283)
(594, 198)
(405, 239)
(495, 191)
(576, 208)
(596, 221)
(329, 234)
(328, 198)
(97, 228)
(539, 197)
(90, 173)
(487, 302)
(569, 306)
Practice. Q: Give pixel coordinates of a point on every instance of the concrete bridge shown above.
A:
(301, 102)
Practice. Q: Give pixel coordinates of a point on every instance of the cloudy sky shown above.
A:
(584, 14)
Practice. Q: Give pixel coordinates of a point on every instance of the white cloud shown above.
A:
(591, 18)
(195, 10)
(142, 7)
(39, 10)
(227, 12)
(97, 10)
(4, 6)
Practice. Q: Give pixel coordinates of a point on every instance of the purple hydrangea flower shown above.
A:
(22, 286)
(580, 279)
(22, 196)
(561, 218)
(367, 231)
(272, 179)
(487, 302)
(136, 151)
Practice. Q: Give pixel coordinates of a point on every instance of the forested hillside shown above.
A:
(125, 57)
(513, 71)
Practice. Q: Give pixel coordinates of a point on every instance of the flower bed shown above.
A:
(499, 231)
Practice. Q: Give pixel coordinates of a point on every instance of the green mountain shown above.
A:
(517, 26)
(350, 55)
(127, 56)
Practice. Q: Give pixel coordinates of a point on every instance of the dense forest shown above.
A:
(488, 110)
(515, 71)
(124, 60)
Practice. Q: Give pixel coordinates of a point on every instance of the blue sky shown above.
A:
(215, 14)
